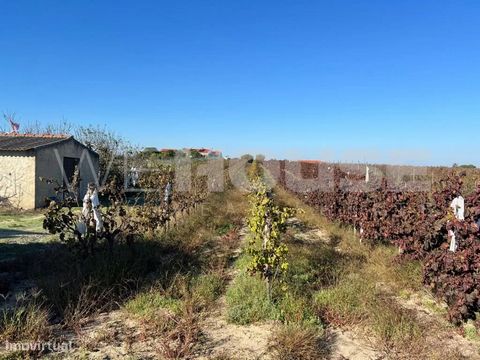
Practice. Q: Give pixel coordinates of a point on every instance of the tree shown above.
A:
(260, 158)
(195, 154)
(61, 128)
(150, 150)
(111, 148)
(248, 158)
(167, 154)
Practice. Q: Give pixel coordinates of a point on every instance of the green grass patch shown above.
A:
(405, 294)
(22, 233)
(247, 301)
(433, 306)
(224, 228)
(296, 309)
(348, 302)
(242, 262)
(26, 221)
(147, 305)
(471, 332)
(206, 289)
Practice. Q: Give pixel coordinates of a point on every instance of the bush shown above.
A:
(453, 276)
(414, 219)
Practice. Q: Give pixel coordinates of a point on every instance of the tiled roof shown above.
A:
(24, 142)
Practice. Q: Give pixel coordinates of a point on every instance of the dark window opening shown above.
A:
(69, 165)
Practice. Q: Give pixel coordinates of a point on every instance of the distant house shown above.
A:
(309, 168)
(25, 159)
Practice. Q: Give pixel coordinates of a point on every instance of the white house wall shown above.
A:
(17, 180)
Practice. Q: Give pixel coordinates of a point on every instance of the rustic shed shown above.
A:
(25, 159)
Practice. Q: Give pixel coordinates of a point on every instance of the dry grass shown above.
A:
(178, 341)
(28, 320)
(170, 311)
(396, 328)
(294, 342)
(308, 215)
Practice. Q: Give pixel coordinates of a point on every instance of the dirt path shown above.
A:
(225, 340)
(222, 339)
(347, 344)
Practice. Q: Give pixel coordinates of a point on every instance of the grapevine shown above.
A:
(415, 220)
(266, 222)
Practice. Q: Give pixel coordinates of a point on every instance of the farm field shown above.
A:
(240, 180)
(195, 290)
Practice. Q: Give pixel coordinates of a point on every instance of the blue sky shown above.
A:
(382, 81)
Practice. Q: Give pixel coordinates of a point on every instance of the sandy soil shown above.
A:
(233, 341)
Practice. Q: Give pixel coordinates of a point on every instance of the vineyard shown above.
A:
(417, 221)
(240, 180)
(285, 260)
(153, 209)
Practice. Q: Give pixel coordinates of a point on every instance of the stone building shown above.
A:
(27, 159)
